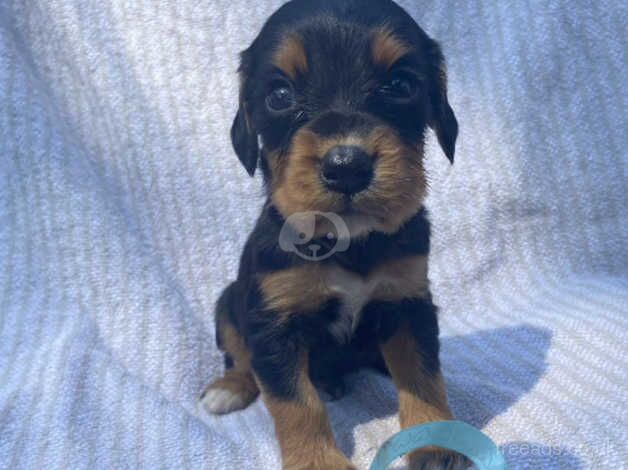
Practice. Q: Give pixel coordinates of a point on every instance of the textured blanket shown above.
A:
(123, 211)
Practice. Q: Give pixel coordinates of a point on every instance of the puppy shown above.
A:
(335, 100)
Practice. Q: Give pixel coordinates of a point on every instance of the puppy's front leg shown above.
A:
(410, 350)
(303, 430)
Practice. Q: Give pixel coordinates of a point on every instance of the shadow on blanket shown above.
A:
(484, 379)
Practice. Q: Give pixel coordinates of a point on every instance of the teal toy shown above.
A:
(452, 435)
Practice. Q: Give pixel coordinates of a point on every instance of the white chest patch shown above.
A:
(306, 288)
(354, 293)
(393, 282)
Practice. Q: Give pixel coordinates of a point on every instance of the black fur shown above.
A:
(275, 348)
(330, 30)
(327, 27)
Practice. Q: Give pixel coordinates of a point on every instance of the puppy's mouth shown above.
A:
(348, 207)
(362, 204)
(349, 204)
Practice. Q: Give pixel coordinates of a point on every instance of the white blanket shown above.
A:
(123, 211)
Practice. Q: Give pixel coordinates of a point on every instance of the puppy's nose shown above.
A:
(347, 169)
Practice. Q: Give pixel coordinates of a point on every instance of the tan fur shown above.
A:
(295, 289)
(291, 56)
(276, 164)
(299, 188)
(386, 49)
(395, 195)
(399, 185)
(240, 385)
(422, 395)
(239, 380)
(303, 429)
(234, 345)
(306, 288)
(402, 279)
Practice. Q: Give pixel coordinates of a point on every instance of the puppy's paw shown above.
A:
(437, 460)
(220, 401)
(228, 394)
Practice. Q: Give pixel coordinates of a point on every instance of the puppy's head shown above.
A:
(335, 100)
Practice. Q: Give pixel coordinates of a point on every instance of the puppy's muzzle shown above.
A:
(347, 170)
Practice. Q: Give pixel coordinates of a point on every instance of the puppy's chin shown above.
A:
(357, 225)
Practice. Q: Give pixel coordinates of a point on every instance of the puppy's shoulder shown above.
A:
(262, 252)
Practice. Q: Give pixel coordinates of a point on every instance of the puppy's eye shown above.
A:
(280, 98)
(400, 88)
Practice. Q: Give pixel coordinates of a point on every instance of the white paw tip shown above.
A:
(219, 401)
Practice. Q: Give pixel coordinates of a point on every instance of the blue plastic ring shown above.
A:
(452, 435)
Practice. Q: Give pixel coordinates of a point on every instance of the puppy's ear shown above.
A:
(243, 134)
(244, 140)
(442, 119)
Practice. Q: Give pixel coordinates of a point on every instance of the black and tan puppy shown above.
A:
(336, 97)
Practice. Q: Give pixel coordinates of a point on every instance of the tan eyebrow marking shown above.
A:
(387, 49)
(291, 57)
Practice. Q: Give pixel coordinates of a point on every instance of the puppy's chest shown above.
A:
(353, 293)
(307, 288)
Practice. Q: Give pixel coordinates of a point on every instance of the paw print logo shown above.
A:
(301, 234)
